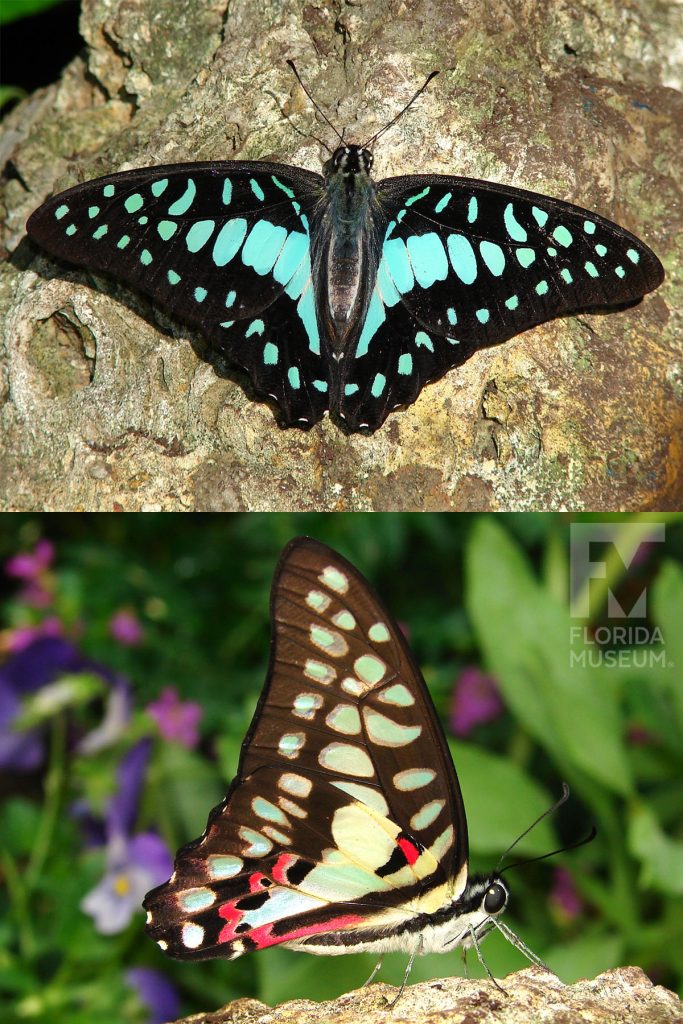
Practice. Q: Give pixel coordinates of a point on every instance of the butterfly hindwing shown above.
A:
(465, 264)
(223, 246)
(346, 816)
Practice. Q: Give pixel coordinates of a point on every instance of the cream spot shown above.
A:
(344, 620)
(306, 705)
(369, 668)
(334, 579)
(387, 733)
(193, 900)
(257, 844)
(192, 935)
(413, 778)
(162, 943)
(329, 641)
(277, 836)
(344, 718)
(149, 917)
(269, 811)
(347, 759)
(366, 838)
(317, 601)
(237, 950)
(319, 672)
(372, 797)
(297, 785)
(427, 814)
(352, 686)
(224, 866)
(398, 694)
(378, 633)
(291, 743)
(294, 809)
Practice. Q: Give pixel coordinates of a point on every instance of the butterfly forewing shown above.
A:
(223, 246)
(346, 815)
(466, 264)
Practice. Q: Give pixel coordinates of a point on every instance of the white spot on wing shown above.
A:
(192, 935)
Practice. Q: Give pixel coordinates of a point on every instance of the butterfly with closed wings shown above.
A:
(344, 830)
(335, 293)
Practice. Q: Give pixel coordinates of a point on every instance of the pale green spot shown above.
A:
(344, 620)
(108, 191)
(483, 316)
(145, 257)
(542, 288)
(369, 669)
(294, 377)
(540, 216)
(347, 759)
(184, 202)
(378, 633)
(143, 220)
(589, 227)
(344, 718)
(526, 256)
(452, 316)
(566, 275)
(290, 743)
(224, 866)
(193, 900)
(101, 231)
(472, 210)
(227, 192)
(255, 327)
(512, 302)
(350, 389)
(259, 845)
(269, 811)
(620, 272)
(427, 814)
(61, 211)
(378, 385)
(370, 797)
(601, 250)
(167, 229)
(123, 241)
(387, 733)
(173, 278)
(256, 189)
(270, 354)
(319, 671)
(71, 230)
(591, 269)
(230, 298)
(93, 211)
(405, 364)
(334, 579)
(159, 187)
(134, 203)
(199, 234)
(200, 294)
(316, 600)
(419, 195)
(633, 255)
(413, 778)
(551, 251)
(443, 202)
(563, 236)
(398, 694)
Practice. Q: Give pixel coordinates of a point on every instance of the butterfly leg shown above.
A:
(375, 969)
(409, 968)
(515, 940)
(475, 943)
(464, 962)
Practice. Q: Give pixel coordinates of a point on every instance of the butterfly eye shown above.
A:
(495, 899)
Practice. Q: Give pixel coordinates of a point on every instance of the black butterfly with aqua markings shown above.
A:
(345, 829)
(336, 293)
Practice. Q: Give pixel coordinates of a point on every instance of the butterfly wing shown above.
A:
(346, 817)
(223, 246)
(465, 264)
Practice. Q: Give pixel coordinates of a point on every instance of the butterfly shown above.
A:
(344, 830)
(336, 293)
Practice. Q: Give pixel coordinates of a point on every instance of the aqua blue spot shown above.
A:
(263, 246)
(514, 229)
(173, 278)
(512, 302)
(306, 310)
(423, 340)
(483, 316)
(442, 204)
(591, 269)
(462, 257)
(390, 228)
(270, 353)
(293, 253)
(255, 327)
(184, 202)
(93, 211)
(398, 264)
(228, 241)
(401, 214)
(589, 227)
(350, 389)
(601, 250)
(320, 385)
(493, 257)
(453, 341)
(101, 231)
(566, 275)
(526, 256)
(378, 385)
(551, 251)
(385, 285)
(633, 255)
(71, 230)
(300, 281)
(145, 257)
(619, 271)
(227, 323)
(200, 294)
(287, 191)
(420, 195)
(540, 216)
(123, 241)
(472, 210)
(374, 319)
(108, 191)
(428, 259)
(159, 187)
(227, 192)
(61, 211)
(134, 203)
(167, 229)
(452, 316)
(294, 378)
(143, 220)
(256, 189)
(199, 234)
(542, 288)
(561, 235)
(230, 298)
(405, 364)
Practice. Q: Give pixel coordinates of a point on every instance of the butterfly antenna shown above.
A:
(315, 105)
(400, 114)
(539, 819)
(562, 849)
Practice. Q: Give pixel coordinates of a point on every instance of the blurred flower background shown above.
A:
(133, 650)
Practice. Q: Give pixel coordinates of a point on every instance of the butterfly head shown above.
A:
(349, 160)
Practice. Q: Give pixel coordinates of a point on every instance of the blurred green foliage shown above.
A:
(12, 10)
(490, 591)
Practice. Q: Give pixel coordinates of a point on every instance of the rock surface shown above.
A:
(106, 406)
(622, 996)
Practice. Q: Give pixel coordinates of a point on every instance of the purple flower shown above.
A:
(564, 895)
(177, 720)
(125, 627)
(33, 569)
(18, 639)
(156, 992)
(475, 701)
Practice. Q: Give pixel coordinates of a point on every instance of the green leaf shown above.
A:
(19, 820)
(189, 788)
(585, 956)
(68, 691)
(667, 603)
(526, 634)
(660, 856)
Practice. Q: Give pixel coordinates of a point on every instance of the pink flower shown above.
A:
(177, 720)
(33, 569)
(564, 895)
(15, 640)
(475, 701)
(125, 627)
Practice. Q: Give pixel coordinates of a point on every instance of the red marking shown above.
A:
(233, 916)
(262, 936)
(282, 866)
(256, 880)
(410, 850)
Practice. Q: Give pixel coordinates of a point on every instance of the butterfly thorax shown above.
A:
(347, 225)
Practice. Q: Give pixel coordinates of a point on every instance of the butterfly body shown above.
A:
(335, 293)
